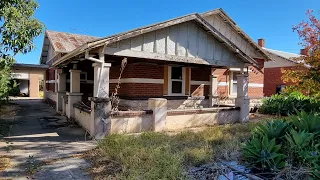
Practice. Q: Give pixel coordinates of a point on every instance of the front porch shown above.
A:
(86, 93)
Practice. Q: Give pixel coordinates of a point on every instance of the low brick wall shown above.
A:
(50, 97)
(131, 122)
(83, 117)
(181, 119)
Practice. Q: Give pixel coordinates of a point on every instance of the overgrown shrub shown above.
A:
(294, 141)
(289, 103)
(15, 90)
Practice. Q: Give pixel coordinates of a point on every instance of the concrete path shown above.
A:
(41, 151)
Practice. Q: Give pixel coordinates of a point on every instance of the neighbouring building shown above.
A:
(273, 82)
(191, 63)
(30, 79)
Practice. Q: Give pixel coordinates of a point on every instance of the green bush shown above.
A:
(278, 142)
(15, 90)
(272, 129)
(264, 153)
(284, 104)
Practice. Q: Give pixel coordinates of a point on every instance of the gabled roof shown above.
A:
(192, 17)
(62, 42)
(291, 57)
(283, 54)
(77, 44)
(66, 42)
(234, 25)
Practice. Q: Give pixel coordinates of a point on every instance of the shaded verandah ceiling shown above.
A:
(112, 44)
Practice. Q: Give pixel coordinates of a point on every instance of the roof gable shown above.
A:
(224, 24)
(185, 42)
(130, 34)
(61, 42)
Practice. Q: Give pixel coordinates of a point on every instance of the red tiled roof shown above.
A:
(66, 42)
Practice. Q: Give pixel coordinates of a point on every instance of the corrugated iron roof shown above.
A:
(66, 42)
(283, 54)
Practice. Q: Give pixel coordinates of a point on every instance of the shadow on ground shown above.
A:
(43, 145)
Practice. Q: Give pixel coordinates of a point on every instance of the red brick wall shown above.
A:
(138, 90)
(200, 74)
(273, 78)
(50, 73)
(138, 71)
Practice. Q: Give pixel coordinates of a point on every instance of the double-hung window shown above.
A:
(176, 80)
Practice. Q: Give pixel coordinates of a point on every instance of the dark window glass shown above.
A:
(82, 76)
(280, 88)
(176, 87)
(176, 73)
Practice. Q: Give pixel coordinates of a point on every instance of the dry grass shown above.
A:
(162, 156)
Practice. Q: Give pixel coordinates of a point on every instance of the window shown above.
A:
(233, 82)
(176, 80)
(83, 76)
(280, 88)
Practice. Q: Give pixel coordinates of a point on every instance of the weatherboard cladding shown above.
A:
(185, 40)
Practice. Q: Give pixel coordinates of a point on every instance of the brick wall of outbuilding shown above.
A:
(273, 78)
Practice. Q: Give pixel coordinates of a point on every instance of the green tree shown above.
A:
(18, 29)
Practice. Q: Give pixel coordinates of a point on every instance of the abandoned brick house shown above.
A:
(189, 63)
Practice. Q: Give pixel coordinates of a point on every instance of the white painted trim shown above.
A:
(255, 85)
(50, 81)
(138, 80)
(250, 84)
(200, 82)
(239, 69)
(222, 84)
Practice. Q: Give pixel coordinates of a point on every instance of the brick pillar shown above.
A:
(61, 87)
(213, 93)
(100, 117)
(74, 95)
(242, 99)
(159, 108)
(100, 103)
(101, 79)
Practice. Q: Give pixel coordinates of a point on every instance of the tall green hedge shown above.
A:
(284, 104)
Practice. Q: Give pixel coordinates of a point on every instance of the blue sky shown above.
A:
(269, 19)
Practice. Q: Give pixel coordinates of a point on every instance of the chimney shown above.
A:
(303, 52)
(261, 42)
